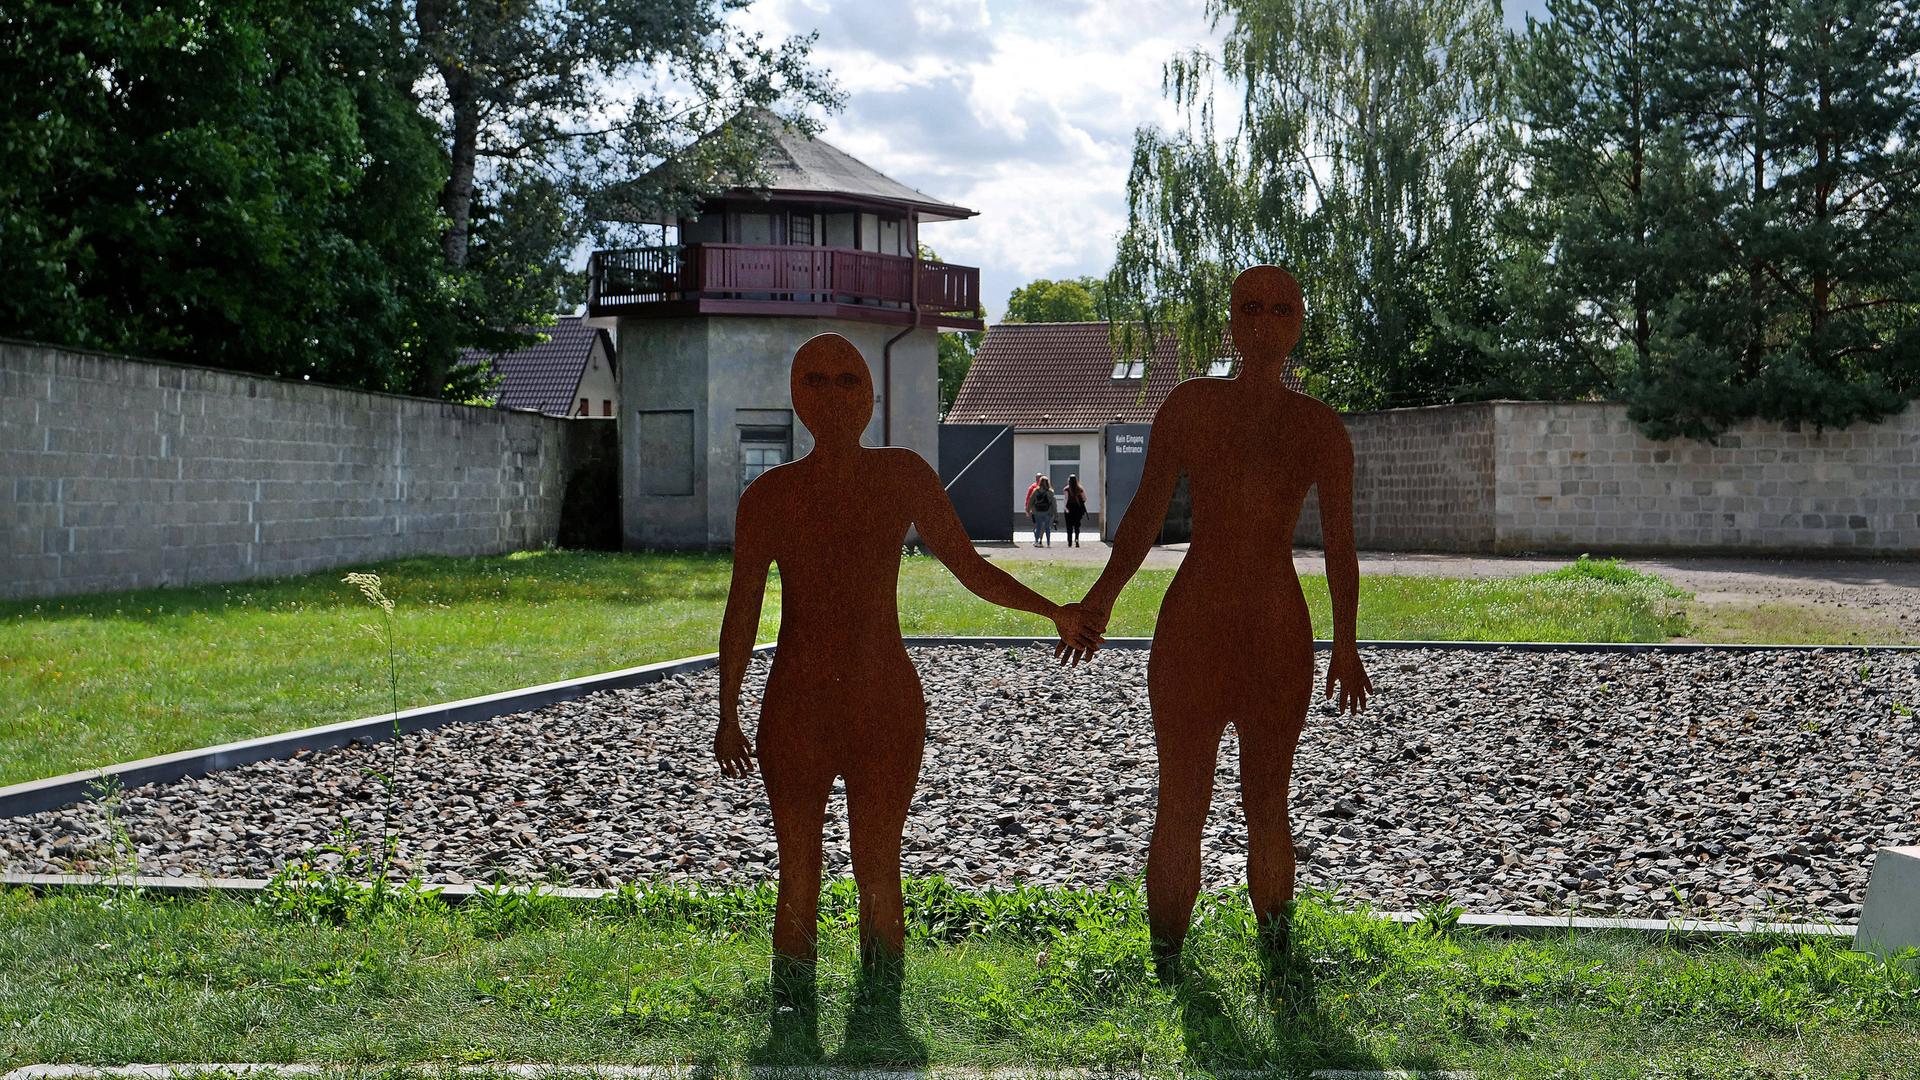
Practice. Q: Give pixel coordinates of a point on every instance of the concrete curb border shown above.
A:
(1322, 645)
(1505, 925)
(55, 792)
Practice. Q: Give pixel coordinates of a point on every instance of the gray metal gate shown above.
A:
(1123, 465)
(976, 465)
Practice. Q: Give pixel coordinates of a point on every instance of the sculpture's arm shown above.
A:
(940, 527)
(1335, 486)
(751, 560)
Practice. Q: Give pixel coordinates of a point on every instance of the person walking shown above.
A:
(1031, 488)
(1043, 504)
(1076, 498)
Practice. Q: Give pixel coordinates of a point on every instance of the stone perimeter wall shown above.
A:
(1580, 477)
(118, 473)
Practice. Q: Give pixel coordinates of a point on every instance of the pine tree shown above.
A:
(1801, 271)
(1593, 227)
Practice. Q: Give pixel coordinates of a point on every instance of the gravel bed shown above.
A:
(1713, 784)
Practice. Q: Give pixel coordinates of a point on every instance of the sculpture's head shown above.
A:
(832, 389)
(1267, 314)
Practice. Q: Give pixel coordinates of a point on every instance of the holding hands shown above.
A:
(1082, 630)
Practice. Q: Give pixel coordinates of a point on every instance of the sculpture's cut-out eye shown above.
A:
(814, 378)
(1283, 309)
(1251, 307)
(847, 379)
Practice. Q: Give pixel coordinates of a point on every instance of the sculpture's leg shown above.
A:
(797, 790)
(1266, 769)
(1187, 748)
(879, 790)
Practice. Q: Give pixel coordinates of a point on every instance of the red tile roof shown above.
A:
(543, 377)
(1059, 377)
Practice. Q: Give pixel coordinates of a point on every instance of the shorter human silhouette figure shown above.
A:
(843, 699)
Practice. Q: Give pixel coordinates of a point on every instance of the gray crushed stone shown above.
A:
(1714, 784)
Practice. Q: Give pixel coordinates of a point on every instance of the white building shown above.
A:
(1059, 385)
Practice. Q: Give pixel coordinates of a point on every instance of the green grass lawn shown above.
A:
(1034, 977)
(93, 680)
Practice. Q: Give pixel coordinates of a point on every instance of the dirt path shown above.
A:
(1781, 601)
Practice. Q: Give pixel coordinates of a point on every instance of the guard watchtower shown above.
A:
(708, 320)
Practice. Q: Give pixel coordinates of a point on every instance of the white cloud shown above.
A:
(1022, 111)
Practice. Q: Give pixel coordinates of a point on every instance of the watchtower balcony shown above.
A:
(782, 279)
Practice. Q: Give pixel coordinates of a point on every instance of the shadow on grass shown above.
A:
(876, 1032)
(1296, 1036)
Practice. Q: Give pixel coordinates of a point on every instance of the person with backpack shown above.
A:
(1076, 510)
(1031, 488)
(1042, 506)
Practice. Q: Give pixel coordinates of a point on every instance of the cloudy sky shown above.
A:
(1022, 111)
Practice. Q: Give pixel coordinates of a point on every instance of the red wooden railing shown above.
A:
(637, 276)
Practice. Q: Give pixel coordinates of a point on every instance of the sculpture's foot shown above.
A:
(881, 963)
(1274, 937)
(1166, 958)
(794, 982)
(793, 1031)
(1273, 942)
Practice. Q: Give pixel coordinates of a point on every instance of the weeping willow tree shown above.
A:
(1354, 142)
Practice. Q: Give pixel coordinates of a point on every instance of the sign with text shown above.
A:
(1124, 447)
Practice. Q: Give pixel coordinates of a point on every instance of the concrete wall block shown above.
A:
(101, 500)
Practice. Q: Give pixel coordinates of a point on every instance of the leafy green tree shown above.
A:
(957, 349)
(557, 116)
(215, 184)
(1364, 155)
(1066, 300)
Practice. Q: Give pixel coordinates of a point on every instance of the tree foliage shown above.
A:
(1066, 300)
(350, 190)
(561, 117)
(1800, 255)
(1725, 196)
(1708, 209)
(1353, 141)
(215, 184)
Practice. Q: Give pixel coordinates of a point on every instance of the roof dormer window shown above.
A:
(1220, 367)
(1130, 369)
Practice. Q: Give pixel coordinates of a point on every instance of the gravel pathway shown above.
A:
(1642, 784)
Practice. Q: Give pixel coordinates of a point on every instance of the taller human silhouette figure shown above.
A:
(1233, 643)
(842, 699)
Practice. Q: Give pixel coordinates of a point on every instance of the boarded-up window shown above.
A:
(666, 451)
(754, 229)
(839, 230)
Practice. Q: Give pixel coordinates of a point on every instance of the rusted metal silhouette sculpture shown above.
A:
(1234, 644)
(843, 699)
